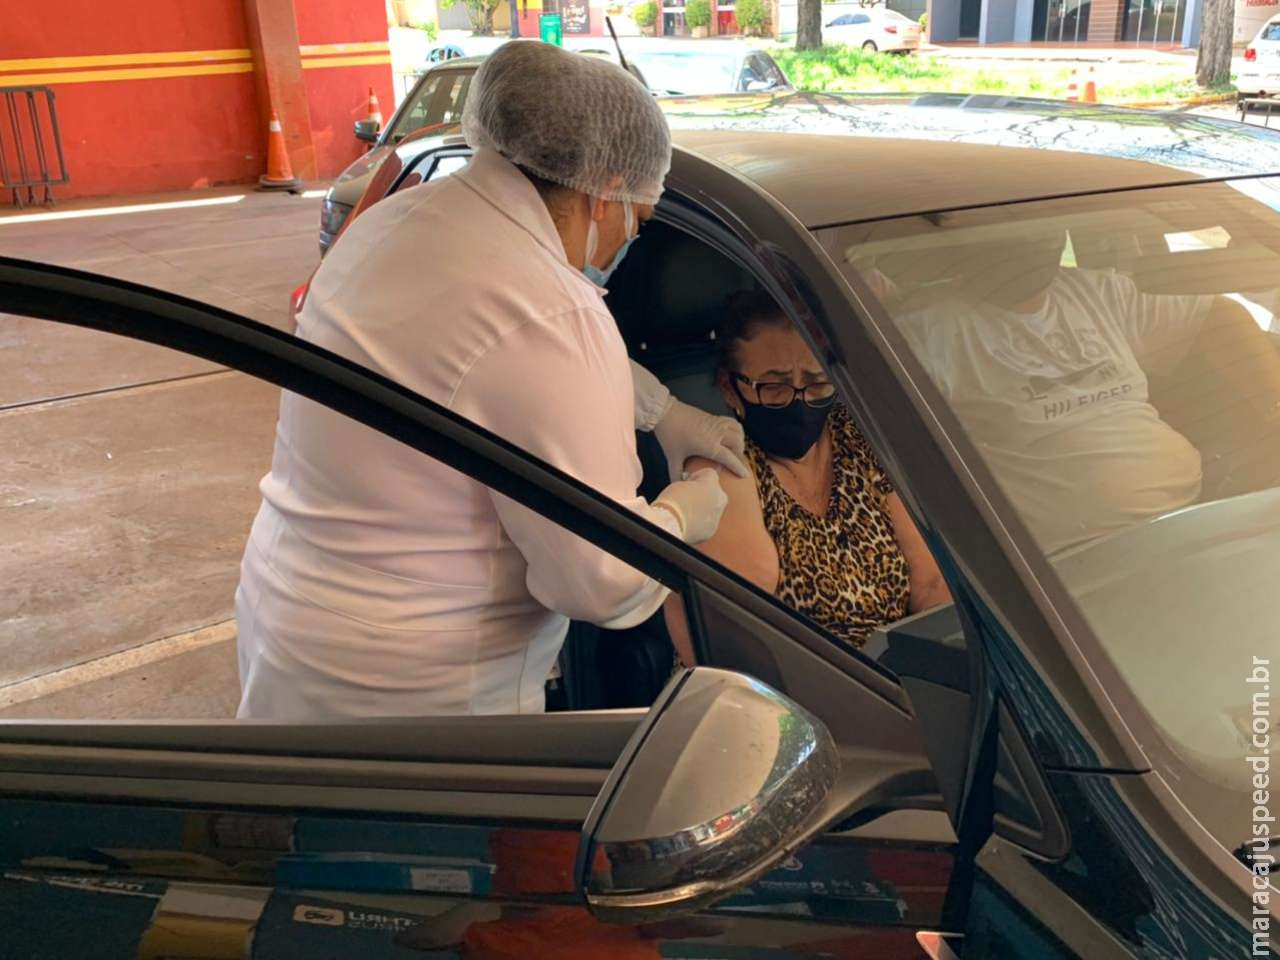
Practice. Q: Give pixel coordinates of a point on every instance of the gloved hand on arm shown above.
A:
(698, 503)
(683, 430)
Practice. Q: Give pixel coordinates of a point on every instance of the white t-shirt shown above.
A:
(1057, 400)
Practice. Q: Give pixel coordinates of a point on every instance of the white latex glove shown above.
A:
(698, 504)
(685, 431)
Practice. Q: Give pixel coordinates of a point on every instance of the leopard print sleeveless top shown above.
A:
(844, 569)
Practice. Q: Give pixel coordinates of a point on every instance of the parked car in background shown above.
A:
(434, 107)
(875, 28)
(1260, 75)
(1052, 767)
(697, 72)
(436, 101)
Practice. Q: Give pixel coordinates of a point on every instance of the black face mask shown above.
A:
(787, 433)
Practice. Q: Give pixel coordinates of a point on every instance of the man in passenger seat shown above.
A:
(817, 523)
(1048, 370)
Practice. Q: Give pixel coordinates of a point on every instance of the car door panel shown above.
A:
(243, 803)
(145, 851)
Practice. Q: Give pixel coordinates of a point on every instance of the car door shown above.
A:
(1113, 850)
(390, 838)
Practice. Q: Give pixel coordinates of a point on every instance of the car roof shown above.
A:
(870, 157)
(458, 63)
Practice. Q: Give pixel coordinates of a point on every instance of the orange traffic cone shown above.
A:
(1073, 88)
(375, 111)
(1090, 88)
(279, 175)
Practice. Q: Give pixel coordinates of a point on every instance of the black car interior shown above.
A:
(666, 296)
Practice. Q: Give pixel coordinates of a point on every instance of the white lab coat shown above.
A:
(378, 582)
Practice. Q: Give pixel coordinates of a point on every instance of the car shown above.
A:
(1069, 761)
(436, 100)
(434, 108)
(1260, 74)
(872, 29)
(434, 103)
(676, 72)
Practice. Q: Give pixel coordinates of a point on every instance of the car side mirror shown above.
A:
(723, 781)
(367, 130)
(758, 86)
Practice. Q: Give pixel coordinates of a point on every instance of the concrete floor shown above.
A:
(128, 473)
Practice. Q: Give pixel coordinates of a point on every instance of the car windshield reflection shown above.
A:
(1115, 362)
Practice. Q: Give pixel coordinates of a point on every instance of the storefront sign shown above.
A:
(577, 16)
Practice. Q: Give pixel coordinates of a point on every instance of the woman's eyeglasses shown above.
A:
(775, 394)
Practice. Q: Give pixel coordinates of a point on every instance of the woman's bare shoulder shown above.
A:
(729, 480)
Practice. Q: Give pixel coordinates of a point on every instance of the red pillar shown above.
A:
(273, 35)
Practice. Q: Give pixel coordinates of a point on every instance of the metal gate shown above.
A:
(28, 131)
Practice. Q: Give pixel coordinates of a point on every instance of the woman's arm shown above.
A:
(741, 543)
(928, 589)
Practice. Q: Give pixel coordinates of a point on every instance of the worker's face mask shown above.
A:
(787, 433)
(595, 274)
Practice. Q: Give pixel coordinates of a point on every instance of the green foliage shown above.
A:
(697, 13)
(839, 69)
(924, 22)
(428, 27)
(645, 14)
(753, 17)
(480, 13)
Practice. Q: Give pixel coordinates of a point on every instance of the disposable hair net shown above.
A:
(575, 120)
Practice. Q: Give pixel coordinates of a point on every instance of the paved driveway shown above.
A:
(128, 472)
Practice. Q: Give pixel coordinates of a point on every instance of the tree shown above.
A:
(809, 25)
(480, 13)
(752, 16)
(1213, 63)
(697, 13)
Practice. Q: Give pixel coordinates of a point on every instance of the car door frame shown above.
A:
(336, 767)
(1000, 579)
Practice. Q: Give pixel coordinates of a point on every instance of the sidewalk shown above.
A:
(1062, 53)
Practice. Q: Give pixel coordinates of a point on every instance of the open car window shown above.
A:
(1114, 361)
(150, 531)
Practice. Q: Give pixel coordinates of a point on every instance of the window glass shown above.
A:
(433, 104)
(161, 562)
(447, 165)
(1271, 32)
(674, 73)
(771, 72)
(816, 523)
(1115, 362)
(457, 99)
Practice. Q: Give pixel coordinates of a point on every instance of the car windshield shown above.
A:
(438, 99)
(1271, 31)
(677, 74)
(1114, 360)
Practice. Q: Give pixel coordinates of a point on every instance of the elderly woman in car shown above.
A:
(817, 523)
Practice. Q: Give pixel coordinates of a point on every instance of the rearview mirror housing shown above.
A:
(367, 130)
(724, 780)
